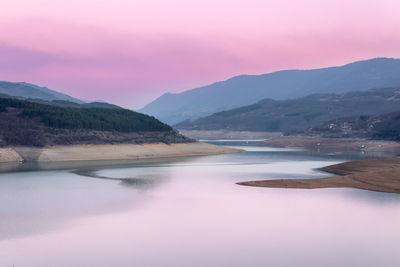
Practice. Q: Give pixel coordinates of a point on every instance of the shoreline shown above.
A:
(109, 152)
(333, 144)
(380, 175)
(228, 135)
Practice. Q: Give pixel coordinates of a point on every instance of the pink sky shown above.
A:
(129, 52)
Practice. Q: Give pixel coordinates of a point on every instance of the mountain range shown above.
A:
(31, 91)
(297, 114)
(288, 84)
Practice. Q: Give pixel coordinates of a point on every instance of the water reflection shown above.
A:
(35, 202)
(370, 197)
(84, 165)
(137, 181)
(190, 212)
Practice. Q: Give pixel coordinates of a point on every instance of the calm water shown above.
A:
(190, 212)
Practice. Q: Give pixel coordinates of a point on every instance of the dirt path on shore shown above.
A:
(382, 175)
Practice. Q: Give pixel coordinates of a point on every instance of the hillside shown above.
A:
(69, 104)
(27, 90)
(34, 124)
(299, 114)
(385, 126)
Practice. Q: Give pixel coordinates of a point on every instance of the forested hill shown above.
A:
(29, 123)
(299, 114)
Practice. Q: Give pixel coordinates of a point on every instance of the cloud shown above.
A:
(20, 60)
(128, 52)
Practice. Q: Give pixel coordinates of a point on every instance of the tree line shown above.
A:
(101, 119)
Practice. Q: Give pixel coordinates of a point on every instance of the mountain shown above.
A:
(43, 95)
(68, 104)
(100, 105)
(299, 114)
(27, 90)
(30, 123)
(289, 84)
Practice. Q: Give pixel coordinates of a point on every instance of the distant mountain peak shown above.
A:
(28, 90)
(246, 89)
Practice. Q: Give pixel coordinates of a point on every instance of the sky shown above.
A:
(129, 52)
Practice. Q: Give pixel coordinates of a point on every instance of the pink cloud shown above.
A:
(129, 52)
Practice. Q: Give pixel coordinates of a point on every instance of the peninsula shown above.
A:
(382, 175)
(33, 130)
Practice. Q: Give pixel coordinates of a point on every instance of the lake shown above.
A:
(190, 212)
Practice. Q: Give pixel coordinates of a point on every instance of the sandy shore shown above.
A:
(227, 135)
(382, 175)
(9, 155)
(109, 152)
